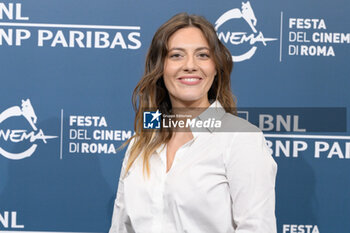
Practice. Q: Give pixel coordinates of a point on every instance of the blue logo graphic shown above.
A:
(151, 120)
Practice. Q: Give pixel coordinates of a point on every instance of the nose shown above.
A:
(190, 64)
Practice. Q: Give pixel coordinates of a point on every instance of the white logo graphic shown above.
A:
(236, 38)
(17, 135)
(156, 115)
(151, 120)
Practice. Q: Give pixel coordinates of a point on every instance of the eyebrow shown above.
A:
(182, 49)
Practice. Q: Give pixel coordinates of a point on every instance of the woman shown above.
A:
(220, 180)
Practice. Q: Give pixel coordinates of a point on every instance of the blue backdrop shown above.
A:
(68, 69)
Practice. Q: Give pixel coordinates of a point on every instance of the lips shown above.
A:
(190, 80)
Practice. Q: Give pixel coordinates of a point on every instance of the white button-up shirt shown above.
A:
(219, 182)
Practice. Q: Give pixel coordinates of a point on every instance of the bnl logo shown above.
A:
(151, 120)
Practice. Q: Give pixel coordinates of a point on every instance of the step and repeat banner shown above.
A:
(68, 69)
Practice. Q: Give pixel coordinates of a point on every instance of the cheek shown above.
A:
(212, 69)
(211, 72)
(169, 69)
(209, 84)
(208, 68)
(169, 74)
(167, 82)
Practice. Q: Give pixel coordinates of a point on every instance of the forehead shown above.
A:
(187, 37)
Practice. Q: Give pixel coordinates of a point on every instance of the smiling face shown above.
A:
(189, 69)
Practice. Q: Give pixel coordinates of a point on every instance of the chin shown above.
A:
(189, 98)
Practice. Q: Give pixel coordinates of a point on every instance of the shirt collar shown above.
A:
(215, 111)
(160, 148)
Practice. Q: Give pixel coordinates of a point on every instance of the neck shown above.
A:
(193, 108)
(190, 104)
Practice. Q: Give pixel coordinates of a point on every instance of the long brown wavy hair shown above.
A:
(151, 93)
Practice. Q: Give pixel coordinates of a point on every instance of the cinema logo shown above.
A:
(246, 13)
(18, 135)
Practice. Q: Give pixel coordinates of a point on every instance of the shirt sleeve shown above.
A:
(251, 173)
(120, 221)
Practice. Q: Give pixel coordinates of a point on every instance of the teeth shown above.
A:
(191, 79)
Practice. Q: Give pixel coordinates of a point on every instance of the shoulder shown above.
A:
(128, 150)
(243, 138)
(126, 158)
(247, 144)
(131, 142)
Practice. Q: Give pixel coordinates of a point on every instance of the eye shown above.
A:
(204, 55)
(175, 55)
